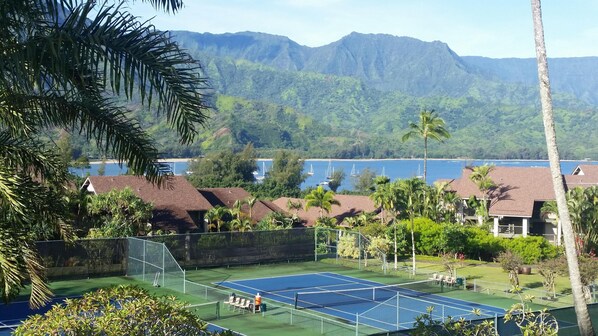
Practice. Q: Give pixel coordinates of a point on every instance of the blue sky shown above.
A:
(492, 28)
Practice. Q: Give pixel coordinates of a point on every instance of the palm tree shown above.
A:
(581, 309)
(480, 175)
(410, 191)
(217, 218)
(61, 64)
(385, 196)
(430, 126)
(322, 199)
(250, 203)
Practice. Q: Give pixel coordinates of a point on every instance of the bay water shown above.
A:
(319, 169)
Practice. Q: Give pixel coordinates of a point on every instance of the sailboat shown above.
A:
(419, 175)
(329, 170)
(383, 172)
(311, 170)
(353, 171)
(263, 176)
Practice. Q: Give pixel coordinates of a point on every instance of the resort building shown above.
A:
(516, 200)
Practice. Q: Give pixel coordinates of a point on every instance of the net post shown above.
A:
(496, 322)
(443, 306)
(218, 310)
(296, 300)
(398, 309)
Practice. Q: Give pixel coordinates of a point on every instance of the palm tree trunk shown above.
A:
(395, 243)
(581, 309)
(412, 244)
(425, 159)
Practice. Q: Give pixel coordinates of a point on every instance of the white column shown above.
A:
(525, 222)
(495, 226)
(559, 232)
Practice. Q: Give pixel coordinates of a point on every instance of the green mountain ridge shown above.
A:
(355, 97)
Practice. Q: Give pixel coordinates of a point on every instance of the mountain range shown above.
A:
(355, 97)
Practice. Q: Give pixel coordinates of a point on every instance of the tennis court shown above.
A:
(360, 301)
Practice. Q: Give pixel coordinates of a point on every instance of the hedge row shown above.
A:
(475, 242)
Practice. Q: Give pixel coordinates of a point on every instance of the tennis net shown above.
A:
(328, 298)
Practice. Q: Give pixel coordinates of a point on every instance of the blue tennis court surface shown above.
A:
(361, 301)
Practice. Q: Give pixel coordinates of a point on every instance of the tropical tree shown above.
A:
(581, 309)
(336, 179)
(409, 192)
(250, 201)
(364, 182)
(430, 126)
(385, 197)
(62, 63)
(118, 213)
(218, 217)
(126, 310)
(321, 199)
(224, 169)
(480, 175)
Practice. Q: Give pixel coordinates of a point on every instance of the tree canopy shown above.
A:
(74, 65)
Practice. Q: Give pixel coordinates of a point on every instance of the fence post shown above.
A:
(184, 282)
(316, 244)
(496, 323)
(163, 262)
(357, 324)
(143, 268)
(398, 320)
(475, 285)
(359, 247)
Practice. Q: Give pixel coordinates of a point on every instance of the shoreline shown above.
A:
(175, 160)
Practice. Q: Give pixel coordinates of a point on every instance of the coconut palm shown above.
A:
(480, 175)
(250, 201)
(217, 218)
(384, 196)
(61, 64)
(322, 199)
(581, 309)
(430, 126)
(410, 191)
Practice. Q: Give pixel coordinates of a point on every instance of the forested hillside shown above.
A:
(355, 97)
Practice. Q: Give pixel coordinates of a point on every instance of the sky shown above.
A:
(490, 28)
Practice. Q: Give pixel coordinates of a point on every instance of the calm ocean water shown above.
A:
(399, 168)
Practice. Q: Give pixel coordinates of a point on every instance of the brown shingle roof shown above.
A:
(228, 196)
(172, 202)
(517, 188)
(178, 191)
(351, 205)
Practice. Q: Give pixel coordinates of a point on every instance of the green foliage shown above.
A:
(531, 249)
(364, 182)
(118, 213)
(224, 169)
(122, 310)
(453, 238)
(336, 180)
(428, 324)
(347, 246)
(427, 237)
(321, 199)
(482, 244)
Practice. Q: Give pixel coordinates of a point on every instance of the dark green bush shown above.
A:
(532, 249)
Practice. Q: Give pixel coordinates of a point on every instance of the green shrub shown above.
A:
(532, 249)
(481, 244)
(452, 239)
(427, 236)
